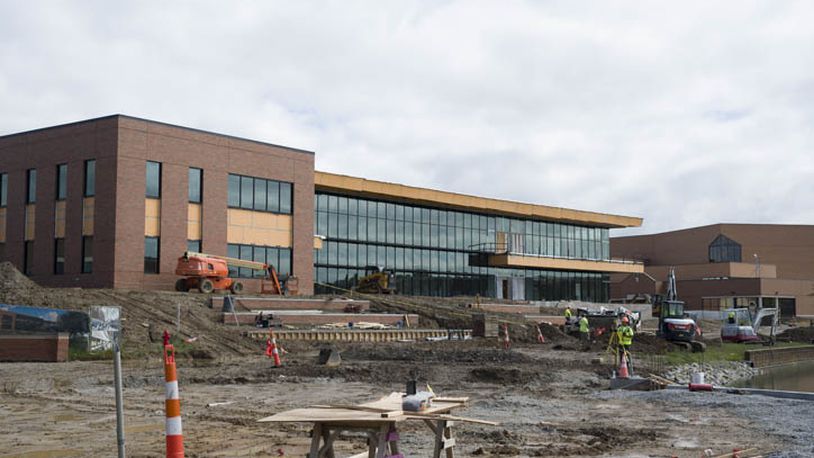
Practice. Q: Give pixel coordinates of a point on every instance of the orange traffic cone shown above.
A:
(272, 352)
(623, 372)
(172, 405)
(540, 337)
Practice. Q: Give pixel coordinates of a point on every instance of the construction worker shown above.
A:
(568, 313)
(624, 336)
(584, 332)
(731, 317)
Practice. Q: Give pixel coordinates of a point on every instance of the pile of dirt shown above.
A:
(12, 279)
(799, 334)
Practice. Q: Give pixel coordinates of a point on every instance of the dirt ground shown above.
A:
(549, 402)
(550, 399)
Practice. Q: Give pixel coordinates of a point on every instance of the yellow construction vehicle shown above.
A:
(377, 280)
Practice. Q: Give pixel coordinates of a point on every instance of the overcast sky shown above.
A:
(683, 113)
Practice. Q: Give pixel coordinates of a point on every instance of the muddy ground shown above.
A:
(550, 403)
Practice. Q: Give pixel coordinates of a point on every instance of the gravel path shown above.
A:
(791, 420)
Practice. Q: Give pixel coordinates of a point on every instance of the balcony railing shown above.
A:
(508, 249)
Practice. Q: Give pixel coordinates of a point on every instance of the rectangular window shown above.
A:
(3, 189)
(59, 256)
(285, 198)
(194, 246)
(90, 178)
(87, 254)
(151, 255)
(234, 191)
(246, 192)
(154, 179)
(259, 194)
(28, 257)
(195, 185)
(31, 186)
(62, 181)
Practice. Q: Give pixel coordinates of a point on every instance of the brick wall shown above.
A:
(35, 347)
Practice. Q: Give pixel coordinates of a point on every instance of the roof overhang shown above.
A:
(542, 262)
(361, 187)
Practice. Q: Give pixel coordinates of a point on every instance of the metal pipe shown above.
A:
(117, 378)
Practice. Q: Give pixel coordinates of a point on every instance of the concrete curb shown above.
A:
(783, 394)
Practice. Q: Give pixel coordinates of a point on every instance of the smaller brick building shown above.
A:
(114, 201)
(725, 265)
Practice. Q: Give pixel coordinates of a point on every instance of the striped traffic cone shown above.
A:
(271, 346)
(172, 405)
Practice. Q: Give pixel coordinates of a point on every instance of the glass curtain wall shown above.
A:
(430, 249)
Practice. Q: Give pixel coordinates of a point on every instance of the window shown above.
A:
(151, 255)
(62, 181)
(278, 257)
(195, 185)
(724, 249)
(194, 246)
(87, 254)
(154, 179)
(90, 178)
(3, 189)
(31, 186)
(28, 257)
(260, 194)
(59, 256)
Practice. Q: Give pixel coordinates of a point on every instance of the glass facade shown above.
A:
(278, 257)
(259, 194)
(437, 252)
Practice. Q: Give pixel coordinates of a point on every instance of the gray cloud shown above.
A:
(684, 114)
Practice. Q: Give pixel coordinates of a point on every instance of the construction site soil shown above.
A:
(550, 399)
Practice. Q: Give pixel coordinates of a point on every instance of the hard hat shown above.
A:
(624, 319)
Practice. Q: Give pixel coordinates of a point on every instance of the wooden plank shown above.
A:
(316, 438)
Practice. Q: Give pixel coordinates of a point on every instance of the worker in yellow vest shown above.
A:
(568, 314)
(731, 317)
(584, 332)
(624, 337)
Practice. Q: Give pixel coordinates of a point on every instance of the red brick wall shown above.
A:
(177, 149)
(44, 348)
(43, 150)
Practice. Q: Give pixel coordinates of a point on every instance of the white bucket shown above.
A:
(698, 378)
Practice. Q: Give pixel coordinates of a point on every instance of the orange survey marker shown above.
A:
(172, 405)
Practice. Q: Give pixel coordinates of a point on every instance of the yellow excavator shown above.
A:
(377, 280)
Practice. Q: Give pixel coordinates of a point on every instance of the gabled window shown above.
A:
(724, 249)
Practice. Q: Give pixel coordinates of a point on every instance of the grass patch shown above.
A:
(75, 354)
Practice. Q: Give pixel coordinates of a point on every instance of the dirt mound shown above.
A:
(501, 376)
(799, 334)
(451, 352)
(13, 279)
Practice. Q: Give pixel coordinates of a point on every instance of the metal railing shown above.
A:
(507, 248)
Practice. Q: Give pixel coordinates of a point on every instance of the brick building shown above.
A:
(725, 265)
(114, 201)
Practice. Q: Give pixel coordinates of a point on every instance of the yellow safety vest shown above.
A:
(625, 335)
(568, 313)
(583, 324)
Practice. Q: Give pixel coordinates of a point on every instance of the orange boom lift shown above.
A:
(209, 272)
